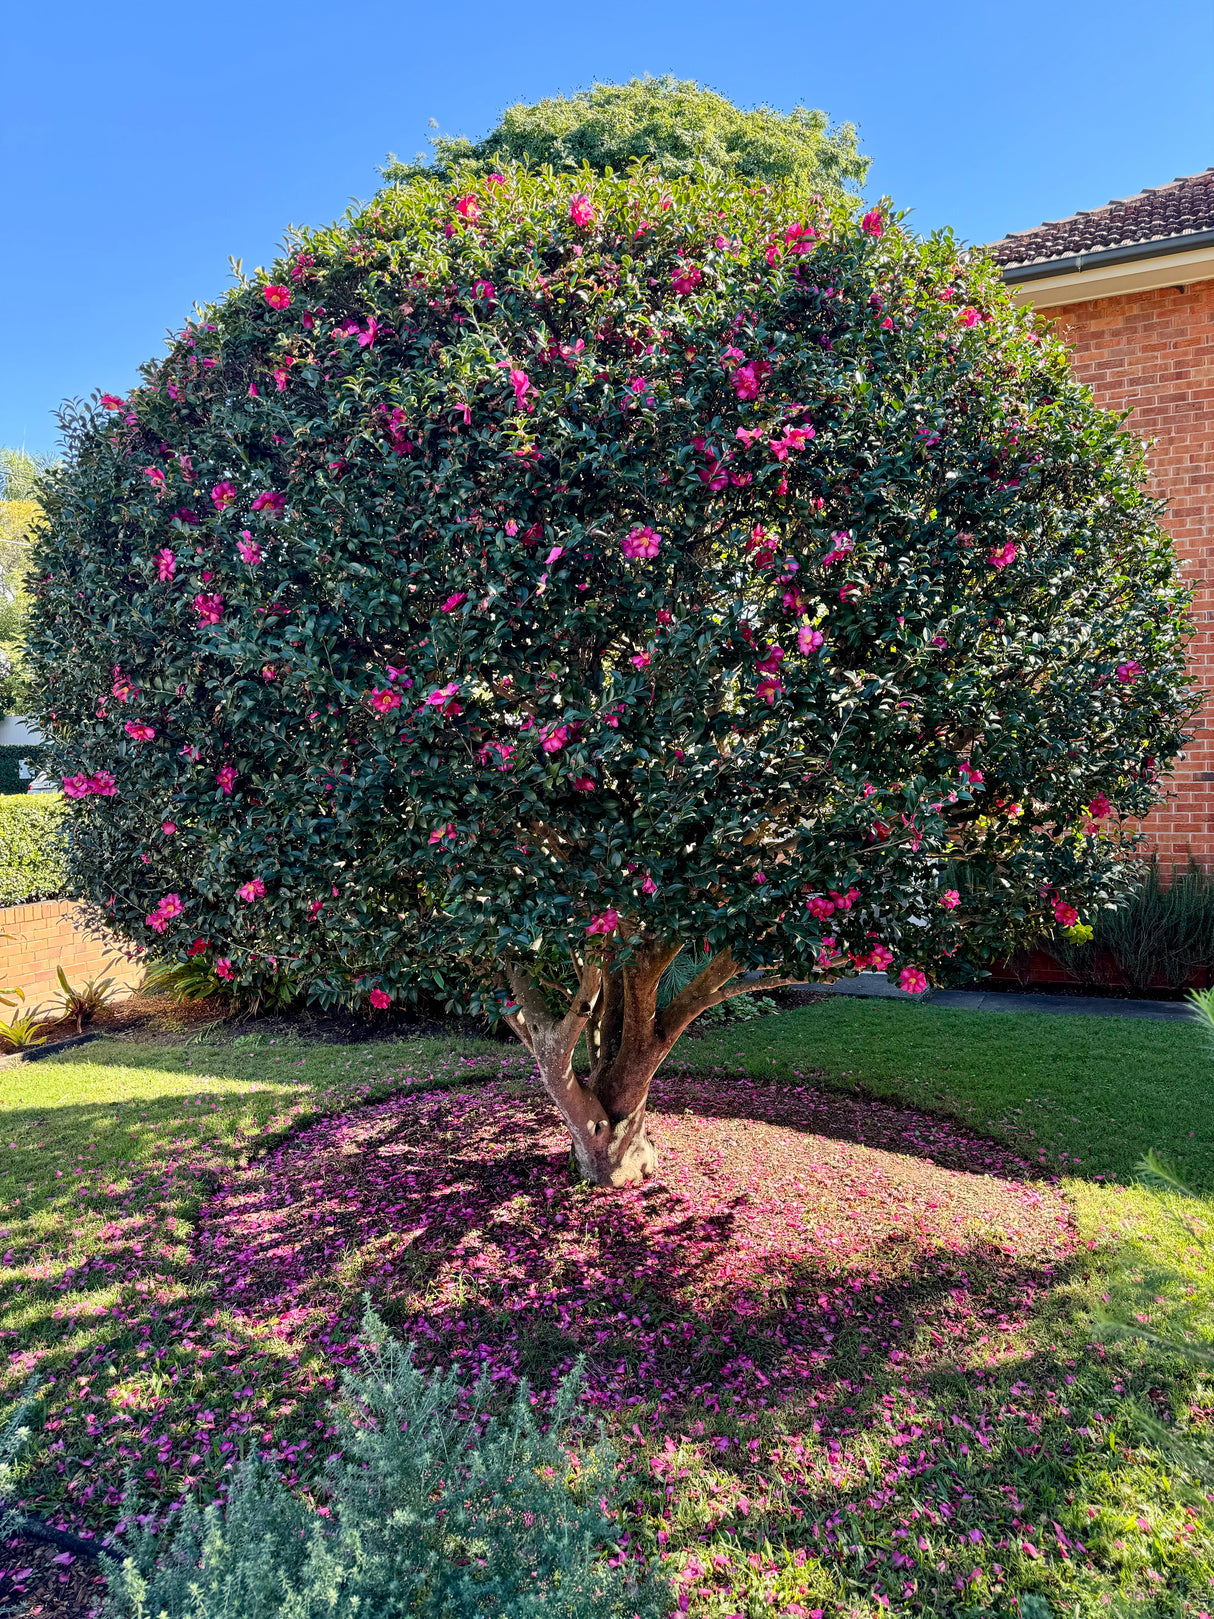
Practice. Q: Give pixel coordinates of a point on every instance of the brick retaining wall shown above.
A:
(36, 939)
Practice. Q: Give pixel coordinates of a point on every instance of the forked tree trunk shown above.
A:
(628, 1039)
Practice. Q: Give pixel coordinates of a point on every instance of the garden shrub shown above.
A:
(439, 1506)
(535, 574)
(1161, 932)
(14, 755)
(33, 847)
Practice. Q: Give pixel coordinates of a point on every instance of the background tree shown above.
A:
(674, 126)
(20, 515)
(535, 575)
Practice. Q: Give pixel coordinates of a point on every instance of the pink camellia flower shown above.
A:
(249, 549)
(366, 339)
(748, 379)
(154, 476)
(969, 317)
(605, 922)
(468, 208)
(225, 778)
(521, 383)
(270, 502)
(880, 957)
(209, 608)
(912, 980)
(581, 211)
(139, 731)
(452, 602)
(554, 740)
(277, 297)
(441, 832)
(939, 640)
(972, 775)
(77, 786)
(1065, 915)
(112, 402)
(641, 660)
(253, 889)
(380, 1000)
(1004, 557)
(872, 224)
(819, 906)
(485, 290)
(1128, 673)
(166, 564)
(511, 527)
(383, 702)
(769, 688)
(583, 784)
(168, 828)
(1099, 807)
(223, 495)
(223, 969)
(314, 910)
(950, 899)
(642, 542)
(809, 639)
(496, 180)
(686, 279)
(649, 886)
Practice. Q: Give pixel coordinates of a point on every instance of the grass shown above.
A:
(106, 1152)
(1092, 1094)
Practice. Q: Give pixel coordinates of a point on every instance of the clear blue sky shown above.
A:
(143, 144)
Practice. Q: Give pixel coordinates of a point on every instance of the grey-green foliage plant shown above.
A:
(438, 1508)
(1161, 932)
(13, 1437)
(675, 126)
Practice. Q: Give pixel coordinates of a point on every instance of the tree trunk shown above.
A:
(611, 1149)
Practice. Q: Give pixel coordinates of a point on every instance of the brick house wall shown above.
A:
(36, 939)
(1152, 353)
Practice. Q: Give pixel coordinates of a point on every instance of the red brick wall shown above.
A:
(1152, 353)
(36, 939)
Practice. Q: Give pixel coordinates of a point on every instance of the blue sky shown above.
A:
(143, 144)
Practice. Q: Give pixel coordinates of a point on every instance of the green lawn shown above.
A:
(106, 1151)
(1086, 1095)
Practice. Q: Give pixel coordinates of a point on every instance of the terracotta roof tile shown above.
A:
(1184, 206)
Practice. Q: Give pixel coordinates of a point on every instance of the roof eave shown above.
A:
(1073, 263)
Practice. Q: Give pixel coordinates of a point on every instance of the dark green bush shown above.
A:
(33, 847)
(439, 1507)
(1161, 933)
(12, 756)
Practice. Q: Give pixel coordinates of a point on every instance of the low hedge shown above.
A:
(32, 853)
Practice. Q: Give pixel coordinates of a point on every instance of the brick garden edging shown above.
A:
(36, 939)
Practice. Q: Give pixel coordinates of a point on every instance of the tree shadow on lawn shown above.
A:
(791, 1239)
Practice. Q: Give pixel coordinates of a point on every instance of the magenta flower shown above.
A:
(809, 639)
(249, 549)
(167, 908)
(209, 608)
(76, 786)
(819, 906)
(1099, 807)
(168, 828)
(1004, 557)
(1065, 915)
(969, 317)
(641, 660)
(581, 211)
(1128, 673)
(155, 477)
(649, 886)
(225, 778)
(112, 402)
(520, 382)
(605, 922)
(912, 980)
(686, 279)
(253, 889)
(440, 833)
(380, 1000)
(497, 180)
(641, 543)
(452, 602)
(139, 731)
(972, 775)
(366, 339)
(485, 291)
(383, 702)
(748, 379)
(223, 969)
(880, 957)
(872, 224)
(277, 297)
(468, 208)
(270, 502)
(583, 784)
(223, 495)
(769, 688)
(555, 739)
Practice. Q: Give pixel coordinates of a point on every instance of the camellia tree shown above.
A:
(536, 577)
